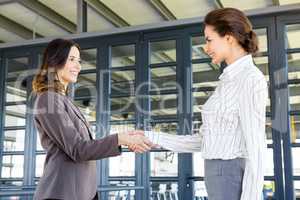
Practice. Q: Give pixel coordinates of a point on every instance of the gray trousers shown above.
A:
(224, 178)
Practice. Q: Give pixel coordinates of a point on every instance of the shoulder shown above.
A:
(254, 78)
(50, 100)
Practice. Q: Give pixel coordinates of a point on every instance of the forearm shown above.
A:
(176, 143)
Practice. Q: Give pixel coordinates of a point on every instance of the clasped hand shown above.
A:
(135, 140)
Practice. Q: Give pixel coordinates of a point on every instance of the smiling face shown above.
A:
(217, 47)
(69, 73)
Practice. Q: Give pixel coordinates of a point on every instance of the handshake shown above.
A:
(136, 141)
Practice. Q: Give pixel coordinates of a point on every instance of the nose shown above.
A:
(78, 65)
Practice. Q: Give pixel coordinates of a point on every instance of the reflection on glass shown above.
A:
(170, 127)
(13, 94)
(86, 86)
(121, 128)
(205, 75)
(292, 39)
(164, 164)
(123, 55)
(39, 165)
(122, 82)
(16, 67)
(12, 166)
(122, 108)
(164, 190)
(123, 165)
(295, 128)
(15, 115)
(164, 104)
(163, 78)
(16, 82)
(262, 39)
(200, 190)
(87, 107)
(163, 51)
(88, 58)
(14, 140)
(198, 43)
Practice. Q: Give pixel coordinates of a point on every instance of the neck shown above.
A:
(235, 55)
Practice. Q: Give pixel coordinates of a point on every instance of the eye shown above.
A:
(80, 61)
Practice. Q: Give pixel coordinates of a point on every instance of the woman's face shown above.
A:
(68, 74)
(216, 47)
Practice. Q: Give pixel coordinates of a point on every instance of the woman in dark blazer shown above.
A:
(70, 166)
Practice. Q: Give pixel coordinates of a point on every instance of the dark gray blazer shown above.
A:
(70, 166)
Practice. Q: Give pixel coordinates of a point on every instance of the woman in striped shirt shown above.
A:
(232, 136)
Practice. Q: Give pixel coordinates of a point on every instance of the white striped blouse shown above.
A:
(233, 124)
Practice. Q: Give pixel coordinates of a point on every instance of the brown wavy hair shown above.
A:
(233, 22)
(55, 57)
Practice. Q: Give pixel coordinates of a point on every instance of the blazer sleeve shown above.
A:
(52, 117)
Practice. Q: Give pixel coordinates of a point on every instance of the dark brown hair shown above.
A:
(233, 22)
(54, 58)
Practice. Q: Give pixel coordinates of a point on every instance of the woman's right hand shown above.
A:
(135, 139)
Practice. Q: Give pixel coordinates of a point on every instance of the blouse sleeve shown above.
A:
(176, 143)
(252, 118)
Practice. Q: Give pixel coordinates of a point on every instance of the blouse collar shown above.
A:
(236, 67)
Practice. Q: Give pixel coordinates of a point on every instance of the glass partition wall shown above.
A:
(154, 80)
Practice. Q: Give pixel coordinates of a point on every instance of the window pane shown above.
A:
(198, 164)
(292, 39)
(295, 128)
(39, 165)
(122, 194)
(12, 166)
(87, 108)
(122, 165)
(294, 75)
(123, 55)
(163, 51)
(14, 140)
(88, 58)
(122, 108)
(16, 79)
(269, 190)
(86, 86)
(294, 96)
(164, 190)
(297, 189)
(164, 164)
(200, 190)
(15, 115)
(262, 39)
(296, 163)
(197, 47)
(122, 82)
(163, 105)
(163, 78)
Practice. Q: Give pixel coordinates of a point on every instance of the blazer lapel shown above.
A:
(81, 117)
